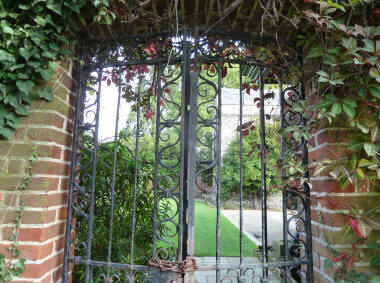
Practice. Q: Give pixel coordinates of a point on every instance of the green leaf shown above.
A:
(55, 7)
(46, 93)
(22, 110)
(8, 30)
(25, 53)
(47, 74)
(355, 145)
(373, 246)
(25, 86)
(315, 51)
(336, 109)
(349, 110)
(6, 132)
(375, 90)
(369, 45)
(371, 149)
(375, 261)
(5, 56)
(350, 102)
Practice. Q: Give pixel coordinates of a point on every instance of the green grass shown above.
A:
(205, 234)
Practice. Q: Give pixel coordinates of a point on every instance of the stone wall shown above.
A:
(49, 129)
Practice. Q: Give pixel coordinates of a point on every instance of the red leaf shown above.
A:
(350, 263)
(354, 226)
(340, 257)
(245, 133)
(257, 99)
(108, 81)
(224, 72)
(255, 87)
(145, 68)
(376, 11)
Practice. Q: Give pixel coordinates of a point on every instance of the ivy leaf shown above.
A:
(25, 53)
(48, 73)
(371, 149)
(22, 110)
(55, 7)
(25, 86)
(46, 93)
(8, 30)
(5, 56)
(375, 90)
(336, 109)
(6, 132)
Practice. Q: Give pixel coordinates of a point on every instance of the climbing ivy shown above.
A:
(34, 35)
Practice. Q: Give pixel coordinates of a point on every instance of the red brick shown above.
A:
(44, 118)
(49, 135)
(45, 200)
(60, 244)
(31, 217)
(328, 152)
(51, 168)
(57, 275)
(36, 234)
(330, 219)
(334, 136)
(39, 270)
(62, 213)
(330, 186)
(32, 251)
(67, 155)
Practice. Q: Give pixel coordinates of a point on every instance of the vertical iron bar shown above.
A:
(188, 124)
(283, 177)
(136, 169)
(93, 179)
(157, 156)
(79, 99)
(115, 141)
(241, 162)
(218, 150)
(305, 161)
(263, 178)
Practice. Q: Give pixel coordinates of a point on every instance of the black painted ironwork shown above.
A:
(187, 151)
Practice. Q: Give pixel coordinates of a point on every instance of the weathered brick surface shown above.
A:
(41, 235)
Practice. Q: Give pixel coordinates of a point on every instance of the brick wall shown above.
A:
(41, 235)
(328, 219)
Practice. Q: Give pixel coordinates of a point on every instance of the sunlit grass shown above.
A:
(205, 234)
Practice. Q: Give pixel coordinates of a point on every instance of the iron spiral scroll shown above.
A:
(187, 152)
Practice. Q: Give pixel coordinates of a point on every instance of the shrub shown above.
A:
(251, 162)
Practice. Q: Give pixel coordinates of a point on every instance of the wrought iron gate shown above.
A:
(175, 79)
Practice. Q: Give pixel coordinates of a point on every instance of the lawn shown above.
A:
(205, 234)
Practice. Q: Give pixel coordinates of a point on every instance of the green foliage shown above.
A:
(123, 203)
(251, 161)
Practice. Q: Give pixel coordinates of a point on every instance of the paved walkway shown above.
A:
(210, 276)
(252, 224)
